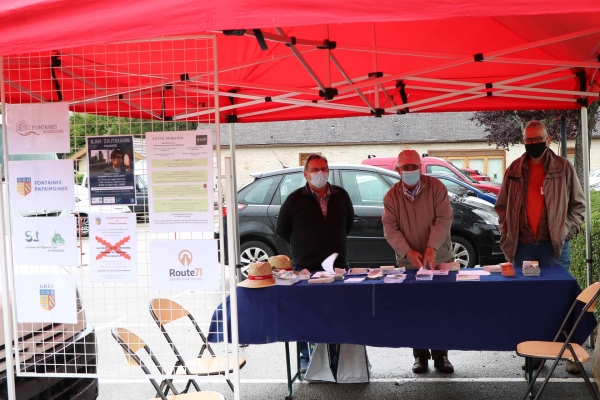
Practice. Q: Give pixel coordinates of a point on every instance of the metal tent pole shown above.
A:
(586, 189)
(233, 210)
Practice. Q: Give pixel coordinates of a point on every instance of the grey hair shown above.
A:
(315, 156)
(536, 125)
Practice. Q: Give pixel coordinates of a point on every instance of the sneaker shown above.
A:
(303, 366)
(571, 367)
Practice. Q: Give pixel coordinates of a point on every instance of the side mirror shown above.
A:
(471, 193)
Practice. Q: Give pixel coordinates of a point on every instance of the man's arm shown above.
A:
(576, 206)
(440, 230)
(285, 220)
(501, 201)
(391, 228)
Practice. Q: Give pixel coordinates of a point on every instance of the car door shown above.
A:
(366, 243)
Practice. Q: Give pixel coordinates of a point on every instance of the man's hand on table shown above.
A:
(429, 258)
(415, 258)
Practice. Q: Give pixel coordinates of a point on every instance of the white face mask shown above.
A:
(319, 179)
(411, 178)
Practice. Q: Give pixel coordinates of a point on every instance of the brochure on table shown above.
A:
(38, 128)
(111, 169)
(184, 265)
(113, 248)
(180, 176)
(46, 298)
(41, 185)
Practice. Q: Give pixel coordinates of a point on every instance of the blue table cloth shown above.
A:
(494, 314)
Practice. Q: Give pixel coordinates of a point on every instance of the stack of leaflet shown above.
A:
(531, 268)
(394, 278)
(424, 274)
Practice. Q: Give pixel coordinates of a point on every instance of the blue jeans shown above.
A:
(543, 253)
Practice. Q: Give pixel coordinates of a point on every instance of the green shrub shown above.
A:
(79, 178)
(578, 265)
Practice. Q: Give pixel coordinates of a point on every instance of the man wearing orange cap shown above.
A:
(417, 217)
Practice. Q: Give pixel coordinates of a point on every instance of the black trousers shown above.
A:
(424, 353)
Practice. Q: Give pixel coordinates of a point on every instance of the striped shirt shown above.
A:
(323, 200)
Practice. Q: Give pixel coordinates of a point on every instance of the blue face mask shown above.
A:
(411, 178)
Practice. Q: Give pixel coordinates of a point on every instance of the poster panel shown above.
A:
(45, 241)
(111, 170)
(184, 265)
(113, 248)
(46, 298)
(180, 181)
(41, 185)
(38, 128)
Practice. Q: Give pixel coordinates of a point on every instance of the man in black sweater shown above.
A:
(315, 220)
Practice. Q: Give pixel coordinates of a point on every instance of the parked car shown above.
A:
(594, 177)
(475, 232)
(461, 188)
(141, 194)
(434, 165)
(474, 174)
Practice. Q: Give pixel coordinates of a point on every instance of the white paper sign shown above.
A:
(328, 263)
(38, 128)
(184, 265)
(41, 185)
(45, 241)
(46, 298)
(113, 248)
(180, 180)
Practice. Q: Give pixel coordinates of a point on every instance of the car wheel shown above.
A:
(463, 251)
(253, 251)
(84, 230)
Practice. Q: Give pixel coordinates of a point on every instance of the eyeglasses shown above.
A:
(537, 139)
(313, 170)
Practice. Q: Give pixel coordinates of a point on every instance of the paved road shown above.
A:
(479, 375)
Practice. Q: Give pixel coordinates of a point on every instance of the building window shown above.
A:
(304, 156)
(491, 162)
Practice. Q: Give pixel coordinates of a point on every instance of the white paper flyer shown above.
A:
(45, 241)
(46, 298)
(38, 128)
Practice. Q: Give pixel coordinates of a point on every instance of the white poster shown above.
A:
(46, 298)
(113, 248)
(180, 181)
(45, 241)
(41, 185)
(38, 128)
(184, 265)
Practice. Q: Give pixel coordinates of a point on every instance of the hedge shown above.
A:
(578, 265)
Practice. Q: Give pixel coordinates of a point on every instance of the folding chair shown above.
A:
(131, 344)
(164, 311)
(566, 350)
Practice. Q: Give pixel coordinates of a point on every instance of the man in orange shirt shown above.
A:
(540, 205)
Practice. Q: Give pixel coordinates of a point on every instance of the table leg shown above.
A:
(297, 375)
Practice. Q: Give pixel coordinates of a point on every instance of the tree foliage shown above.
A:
(83, 125)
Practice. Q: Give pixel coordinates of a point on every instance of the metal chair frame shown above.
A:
(180, 361)
(566, 345)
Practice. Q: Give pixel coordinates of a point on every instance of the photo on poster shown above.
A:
(113, 248)
(111, 170)
(41, 185)
(45, 241)
(184, 265)
(38, 128)
(46, 298)
(180, 181)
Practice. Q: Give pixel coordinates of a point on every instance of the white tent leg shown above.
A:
(586, 189)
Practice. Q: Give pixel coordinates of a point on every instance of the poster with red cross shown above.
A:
(113, 248)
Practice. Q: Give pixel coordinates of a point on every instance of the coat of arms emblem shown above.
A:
(47, 299)
(24, 186)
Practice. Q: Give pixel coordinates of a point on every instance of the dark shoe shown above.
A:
(444, 365)
(303, 366)
(420, 365)
(571, 367)
(536, 362)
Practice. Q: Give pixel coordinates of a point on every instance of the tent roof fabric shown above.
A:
(306, 61)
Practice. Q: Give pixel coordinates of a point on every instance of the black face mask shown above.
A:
(535, 150)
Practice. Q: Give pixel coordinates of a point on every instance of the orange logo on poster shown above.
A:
(47, 299)
(24, 186)
(185, 257)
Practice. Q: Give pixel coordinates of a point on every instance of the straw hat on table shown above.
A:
(260, 275)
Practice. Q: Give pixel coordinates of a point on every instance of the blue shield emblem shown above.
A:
(47, 299)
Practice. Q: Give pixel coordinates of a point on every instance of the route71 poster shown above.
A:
(113, 248)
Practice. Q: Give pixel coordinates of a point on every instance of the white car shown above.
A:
(83, 209)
